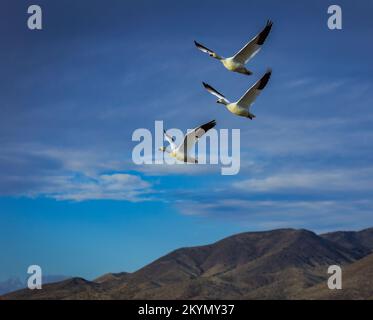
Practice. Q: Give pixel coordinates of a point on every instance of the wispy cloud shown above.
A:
(324, 137)
(292, 197)
(316, 181)
(320, 215)
(118, 186)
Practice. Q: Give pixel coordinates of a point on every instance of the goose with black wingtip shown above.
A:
(237, 63)
(242, 106)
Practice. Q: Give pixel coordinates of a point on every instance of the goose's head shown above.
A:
(216, 56)
(163, 149)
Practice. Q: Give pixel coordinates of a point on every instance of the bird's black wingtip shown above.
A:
(264, 33)
(208, 125)
(264, 80)
(211, 123)
(210, 88)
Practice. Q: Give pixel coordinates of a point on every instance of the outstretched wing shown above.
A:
(193, 136)
(214, 92)
(250, 95)
(253, 47)
(204, 49)
(170, 140)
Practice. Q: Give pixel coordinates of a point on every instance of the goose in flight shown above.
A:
(181, 152)
(237, 62)
(242, 106)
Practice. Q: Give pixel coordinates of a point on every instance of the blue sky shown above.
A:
(72, 201)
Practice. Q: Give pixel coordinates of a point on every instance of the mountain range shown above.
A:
(15, 283)
(277, 264)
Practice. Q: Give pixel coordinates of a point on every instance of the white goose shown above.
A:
(237, 62)
(181, 152)
(242, 106)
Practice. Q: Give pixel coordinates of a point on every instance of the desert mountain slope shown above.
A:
(278, 264)
(357, 283)
(360, 242)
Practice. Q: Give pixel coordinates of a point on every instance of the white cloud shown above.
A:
(67, 174)
(117, 186)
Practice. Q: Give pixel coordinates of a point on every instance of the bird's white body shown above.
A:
(239, 110)
(232, 64)
(181, 157)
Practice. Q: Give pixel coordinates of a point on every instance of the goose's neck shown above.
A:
(216, 56)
